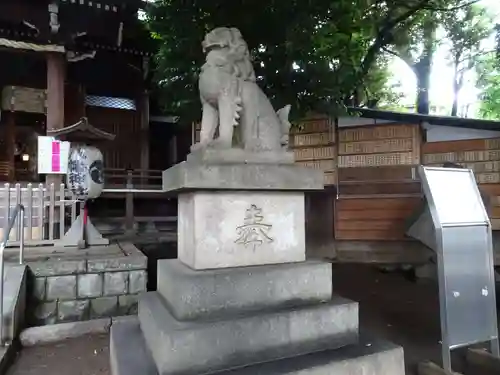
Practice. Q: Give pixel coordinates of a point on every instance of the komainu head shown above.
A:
(223, 37)
(229, 42)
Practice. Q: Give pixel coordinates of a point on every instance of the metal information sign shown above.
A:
(465, 259)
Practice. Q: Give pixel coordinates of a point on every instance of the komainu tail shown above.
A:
(283, 114)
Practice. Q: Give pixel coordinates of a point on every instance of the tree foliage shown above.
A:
(465, 32)
(488, 72)
(415, 44)
(317, 55)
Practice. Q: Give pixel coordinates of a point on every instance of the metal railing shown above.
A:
(19, 209)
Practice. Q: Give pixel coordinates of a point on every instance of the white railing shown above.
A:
(50, 210)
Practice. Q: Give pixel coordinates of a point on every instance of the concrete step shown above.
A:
(14, 300)
(195, 347)
(129, 355)
(128, 352)
(193, 294)
(379, 358)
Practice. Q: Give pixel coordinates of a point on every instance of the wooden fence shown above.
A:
(480, 155)
(377, 181)
(50, 210)
(145, 179)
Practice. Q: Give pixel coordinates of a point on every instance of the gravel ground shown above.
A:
(397, 309)
(88, 355)
(392, 307)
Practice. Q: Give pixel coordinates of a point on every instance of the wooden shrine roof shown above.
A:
(417, 118)
(81, 131)
(84, 25)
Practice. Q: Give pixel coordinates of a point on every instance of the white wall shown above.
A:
(437, 133)
(345, 122)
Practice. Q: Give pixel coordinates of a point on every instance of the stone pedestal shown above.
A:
(241, 228)
(241, 299)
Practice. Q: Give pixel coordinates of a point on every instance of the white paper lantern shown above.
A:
(85, 172)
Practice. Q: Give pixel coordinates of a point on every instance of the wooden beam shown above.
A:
(481, 362)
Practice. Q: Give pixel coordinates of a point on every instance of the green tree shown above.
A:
(465, 32)
(318, 55)
(488, 73)
(416, 45)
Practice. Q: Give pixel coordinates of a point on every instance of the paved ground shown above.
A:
(87, 355)
(395, 308)
(390, 306)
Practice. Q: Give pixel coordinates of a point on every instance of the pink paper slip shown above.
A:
(56, 156)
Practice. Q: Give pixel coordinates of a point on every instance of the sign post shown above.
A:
(463, 243)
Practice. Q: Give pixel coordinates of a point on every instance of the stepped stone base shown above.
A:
(284, 177)
(208, 346)
(202, 294)
(241, 299)
(274, 319)
(131, 356)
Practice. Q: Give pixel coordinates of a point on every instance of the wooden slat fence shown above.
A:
(50, 210)
(480, 155)
(377, 181)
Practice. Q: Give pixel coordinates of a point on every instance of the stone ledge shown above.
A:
(62, 331)
(281, 177)
(129, 356)
(215, 345)
(240, 156)
(58, 332)
(54, 267)
(192, 294)
(373, 358)
(58, 261)
(117, 264)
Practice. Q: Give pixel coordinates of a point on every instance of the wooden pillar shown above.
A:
(11, 143)
(129, 205)
(56, 74)
(143, 106)
(74, 103)
(172, 148)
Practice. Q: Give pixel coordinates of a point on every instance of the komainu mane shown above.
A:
(232, 99)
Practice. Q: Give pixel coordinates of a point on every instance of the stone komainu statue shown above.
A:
(231, 98)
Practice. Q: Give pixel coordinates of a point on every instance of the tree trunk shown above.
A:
(422, 67)
(454, 107)
(382, 39)
(423, 72)
(457, 85)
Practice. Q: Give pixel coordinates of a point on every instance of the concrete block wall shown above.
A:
(96, 287)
